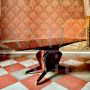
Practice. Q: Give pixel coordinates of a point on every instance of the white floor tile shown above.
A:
(32, 55)
(16, 86)
(21, 74)
(50, 74)
(86, 87)
(88, 62)
(3, 71)
(73, 62)
(7, 62)
(29, 62)
(84, 75)
(54, 86)
(54, 76)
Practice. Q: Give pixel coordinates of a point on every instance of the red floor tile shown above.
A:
(23, 58)
(71, 82)
(63, 59)
(14, 67)
(4, 57)
(6, 80)
(84, 67)
(30, 82)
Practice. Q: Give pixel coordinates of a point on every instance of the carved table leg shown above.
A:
(40, 68)
(51, 59)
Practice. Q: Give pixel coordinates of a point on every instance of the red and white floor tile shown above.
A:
(13, 77)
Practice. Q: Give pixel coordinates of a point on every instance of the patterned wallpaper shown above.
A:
(42, 19)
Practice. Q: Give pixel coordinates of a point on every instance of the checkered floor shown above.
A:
(13, 77)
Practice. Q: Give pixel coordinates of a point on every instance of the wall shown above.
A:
(35, 19)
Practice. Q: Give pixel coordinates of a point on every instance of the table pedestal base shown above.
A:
(48, 60)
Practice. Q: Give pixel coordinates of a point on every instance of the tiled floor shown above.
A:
(13, 77)
(78, 46)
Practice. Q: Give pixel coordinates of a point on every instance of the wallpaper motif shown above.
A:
(38, 20)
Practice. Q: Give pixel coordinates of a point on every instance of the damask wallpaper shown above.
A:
(42, 22)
